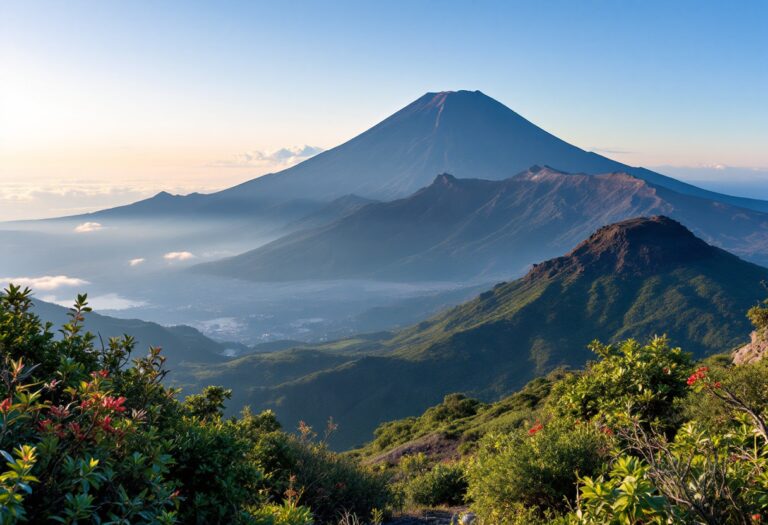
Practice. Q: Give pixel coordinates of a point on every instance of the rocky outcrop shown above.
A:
(753, 351)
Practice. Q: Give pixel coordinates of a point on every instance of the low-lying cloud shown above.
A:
(109, 301)
(88, 227)
(178, 256)
(45, 282)
(270, 160)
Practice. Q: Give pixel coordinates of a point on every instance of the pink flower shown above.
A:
(5, 405)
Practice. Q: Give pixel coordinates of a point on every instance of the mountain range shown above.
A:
(465, 133)
(457, 229)
(635, 278)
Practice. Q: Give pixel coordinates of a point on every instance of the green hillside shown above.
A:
(630, 279)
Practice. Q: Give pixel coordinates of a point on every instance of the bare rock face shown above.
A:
(753, 351)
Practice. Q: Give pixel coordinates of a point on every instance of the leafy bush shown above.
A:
(96, 453)
(629, 379)
(90, 436)
(759, 316)
(445, 484)
(328, 482)
(627, 495)
(537, 468)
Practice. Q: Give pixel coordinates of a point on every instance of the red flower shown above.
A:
(76, 431)
(5, 405)
(106, 424)
(757, 518)
(59, 412)
(535, 429)
(699, 374)
(607, 431)
(114, 403)
(100, 373)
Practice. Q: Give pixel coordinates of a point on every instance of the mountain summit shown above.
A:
(633, 247)
(465, 133)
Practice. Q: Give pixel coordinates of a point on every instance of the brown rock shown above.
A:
(753, 351)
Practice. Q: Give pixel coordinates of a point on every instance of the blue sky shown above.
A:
(128, 97)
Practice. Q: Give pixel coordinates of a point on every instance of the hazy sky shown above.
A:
(107, 101)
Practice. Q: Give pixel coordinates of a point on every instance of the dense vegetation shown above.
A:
(89, 436)
(642, 435)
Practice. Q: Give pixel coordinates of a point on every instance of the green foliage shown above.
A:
(626, 495)
(327, 481)
(536, 469)
(466, 420)
(629, 380)
(445, 484)
(758, 315)
(15, 483)
(287, 513)
(209, 404)
(97, 438)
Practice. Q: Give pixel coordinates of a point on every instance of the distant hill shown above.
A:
(466, 133)
(635, 278)
(469, 228)
(179, 343)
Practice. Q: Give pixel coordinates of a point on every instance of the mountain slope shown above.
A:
(632, 279)
(465, 228)
(179, 343)
(465, 133)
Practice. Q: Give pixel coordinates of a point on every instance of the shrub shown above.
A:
(445, 484)
(628, 380)
(627, 495)
(93, 451)
(758, 315)
(537, 468)
(326, 482)
(91, 437)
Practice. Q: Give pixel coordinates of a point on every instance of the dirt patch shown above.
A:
(435, 446)
(427, 517)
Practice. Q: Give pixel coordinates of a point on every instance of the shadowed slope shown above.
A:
(467, 228)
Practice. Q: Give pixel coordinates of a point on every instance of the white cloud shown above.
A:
(45, 282)
(87, 227)
(270, 160)
(113, 301)
(137, 261)
(109, 301)
(178, 256)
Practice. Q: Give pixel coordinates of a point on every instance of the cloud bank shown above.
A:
(45, 282)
